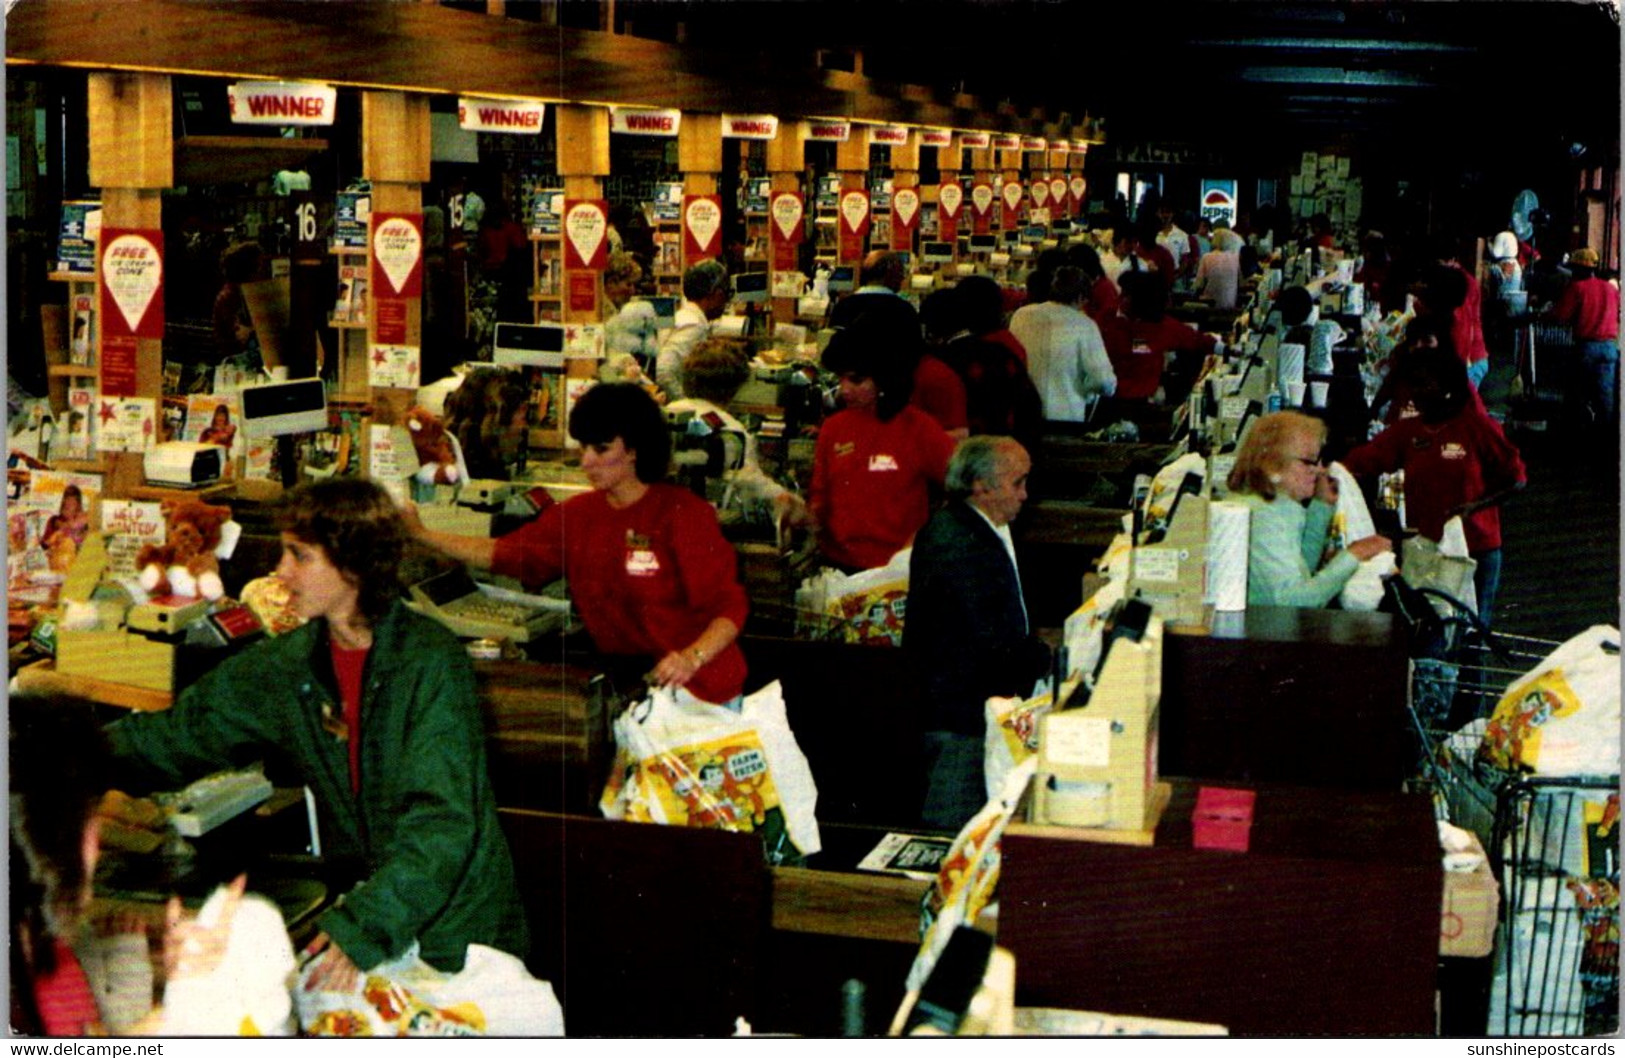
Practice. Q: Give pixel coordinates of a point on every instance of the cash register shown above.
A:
(481, 611)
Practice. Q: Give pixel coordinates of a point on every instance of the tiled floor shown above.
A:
(1561, 534)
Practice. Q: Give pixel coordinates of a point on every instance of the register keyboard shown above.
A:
(480, 611)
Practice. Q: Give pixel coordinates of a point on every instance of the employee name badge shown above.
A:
(640, 556)
(880, 461)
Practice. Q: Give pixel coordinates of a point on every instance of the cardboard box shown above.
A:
(1468, 917)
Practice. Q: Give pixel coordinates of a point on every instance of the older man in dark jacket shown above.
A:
(967, 624)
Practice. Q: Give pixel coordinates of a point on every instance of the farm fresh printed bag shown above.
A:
(1562, 719)
(684, 762)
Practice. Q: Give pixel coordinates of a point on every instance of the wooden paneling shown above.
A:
(852, 155)
(699, 146)
(131, 138)
(1327, 925)
(786, 152)
(395, 139)
(583, 140)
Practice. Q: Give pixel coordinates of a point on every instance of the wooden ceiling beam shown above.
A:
(428, 48)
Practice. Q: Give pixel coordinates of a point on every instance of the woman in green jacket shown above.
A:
(1278, 471)
(373, 706)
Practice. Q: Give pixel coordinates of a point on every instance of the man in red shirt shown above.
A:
(1591, 304)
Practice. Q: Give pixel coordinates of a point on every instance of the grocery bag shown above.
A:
(1012, 735)
(1562, 718)
(684, 762)
(493, 995)
(1442, 565)
(1353, 522)
(249, 992)
(866, 607)
(968, 874)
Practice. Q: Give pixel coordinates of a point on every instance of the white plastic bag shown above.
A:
(866, 607)
(1353, 522)
(1443, 565)
(249, 992)
(1012, 736)
(1562, 719)
(969, 873)
(689, 763)
(493, 995)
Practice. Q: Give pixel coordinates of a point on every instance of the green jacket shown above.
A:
(425, 824)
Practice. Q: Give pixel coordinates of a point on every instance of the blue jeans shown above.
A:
(1599, 377)
(1486, 582)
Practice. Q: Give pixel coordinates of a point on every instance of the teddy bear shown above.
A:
(186, 564)
(437, 461)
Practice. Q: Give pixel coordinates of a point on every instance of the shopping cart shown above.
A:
(1553, 843)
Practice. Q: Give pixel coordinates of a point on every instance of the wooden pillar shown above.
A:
(395, 148)
(1011, 164)
(699, 158)
(583, 153)
(852, 161)
(905, 165)
(132, 157)
(786, 155)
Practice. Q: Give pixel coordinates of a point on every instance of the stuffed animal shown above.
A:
(437, 461)
(185, 565)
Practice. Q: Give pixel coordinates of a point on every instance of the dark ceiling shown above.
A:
(1400, 74)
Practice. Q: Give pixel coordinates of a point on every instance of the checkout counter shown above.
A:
(776, 944)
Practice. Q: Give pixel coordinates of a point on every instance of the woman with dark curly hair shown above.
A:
(649, 570)
(877, 459)
(373, 705)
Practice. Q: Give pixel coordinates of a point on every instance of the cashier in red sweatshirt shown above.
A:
(648, 568)
(877, 460)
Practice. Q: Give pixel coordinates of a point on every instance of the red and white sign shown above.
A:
(854, 223)
(1006, 141)
(905, 215)
(280, 103)
(787, 210)
(1057, 194)
(1040, 193)
(829, 131)
(1077, 185)
(981, 207)
(397, 254)
(1080, 146)
(1034, 143)
(1059, 147)
(950, 200)
(501, 115)
(132, 285)
(1012, 193)
(586, 234)
(641, 122)
(749, 126)
(975, 141)
(891, 135)
(702, 226)
(936, 138)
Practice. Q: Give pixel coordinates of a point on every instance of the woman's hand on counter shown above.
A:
(1370, 547)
